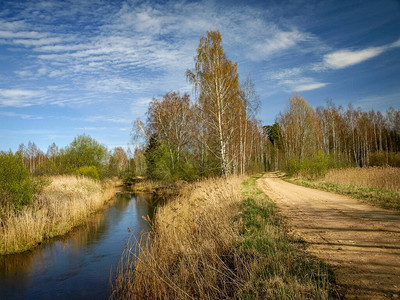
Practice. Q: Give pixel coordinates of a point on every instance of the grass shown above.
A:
(378, 186)
(385, 178)
(186, 254)
(220, 239)
(279, 266)
(62, 205)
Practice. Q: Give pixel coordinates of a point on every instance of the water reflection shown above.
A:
(79, 264)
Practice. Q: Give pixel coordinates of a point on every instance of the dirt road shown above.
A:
(361, 242)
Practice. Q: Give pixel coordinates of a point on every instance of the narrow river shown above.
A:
(80, 264)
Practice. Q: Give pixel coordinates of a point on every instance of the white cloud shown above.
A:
(109, 119)
(301, 84)
(20, 97)
(92, 128)
(396, 44)
(22, 116)
(309, 87)
(38, 42)
(344, 58)
(285, 73)
(138, 48)
(4, 34)
(281, 40)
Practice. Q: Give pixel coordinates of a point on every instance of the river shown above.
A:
(80, 264)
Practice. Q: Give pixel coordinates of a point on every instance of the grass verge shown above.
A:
(279, 266)
(62, 205)
(220, 239)
(379, 197)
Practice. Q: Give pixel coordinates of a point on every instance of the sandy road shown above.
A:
(361, 242)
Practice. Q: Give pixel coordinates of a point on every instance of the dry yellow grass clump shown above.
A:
(65, 203)
(187, 256)
(387, 178)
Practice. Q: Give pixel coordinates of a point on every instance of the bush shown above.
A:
(127, 176)
(293, 167)
(315, 167)
(88, 171)
(15, 184)
(382, 158)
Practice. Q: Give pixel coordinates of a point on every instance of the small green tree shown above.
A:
(85, 151)
(16, 186)
(151, 157)
(88, 171)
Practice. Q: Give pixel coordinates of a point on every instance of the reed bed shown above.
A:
(185, 256)
(386, 178)
(214, 242)
(62, 205)
(378, 186)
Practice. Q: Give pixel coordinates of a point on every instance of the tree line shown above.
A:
(332, 137)
(22, 173)
(83, 156)
(218, 134)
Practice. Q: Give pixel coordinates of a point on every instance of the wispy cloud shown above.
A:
(20, 98)
(138, 46)
(299, 79)
(302, 84)
(281, 40)
(309, 87)
(107, 119)
(344, 58)
(17, 115)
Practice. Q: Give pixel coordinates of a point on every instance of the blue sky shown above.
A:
(91, 67)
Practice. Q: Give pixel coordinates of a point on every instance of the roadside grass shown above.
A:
(65, 203)
(220, 239)
(279, 266)
(378, 186)
(385, 178)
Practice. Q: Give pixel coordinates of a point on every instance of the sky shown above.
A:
(74, 67)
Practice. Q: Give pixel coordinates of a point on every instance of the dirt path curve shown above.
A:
(361, 242)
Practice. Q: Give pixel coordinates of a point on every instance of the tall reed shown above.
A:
(65, 203)
(188, 253)
(387, 178)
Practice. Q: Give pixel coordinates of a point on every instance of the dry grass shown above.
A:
(378, 186)
(145, 186)
(187, 256)
(386, 178)
(214, 242)
(65, 203)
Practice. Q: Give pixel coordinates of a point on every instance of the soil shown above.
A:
(360, 242)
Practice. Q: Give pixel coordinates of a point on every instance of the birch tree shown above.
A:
(217, 85)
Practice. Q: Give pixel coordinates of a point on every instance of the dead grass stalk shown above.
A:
(189, 253)
(65, 203)
(387, 178)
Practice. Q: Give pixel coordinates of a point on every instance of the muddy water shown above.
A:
(80, 264)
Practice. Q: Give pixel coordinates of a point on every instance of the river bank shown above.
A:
(220, 239)
(62, 205)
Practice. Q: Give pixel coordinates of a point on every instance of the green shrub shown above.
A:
(127, 175)
(314, 167)
(383, 158)
(15, 184)
(293, 167)
(88, 171)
